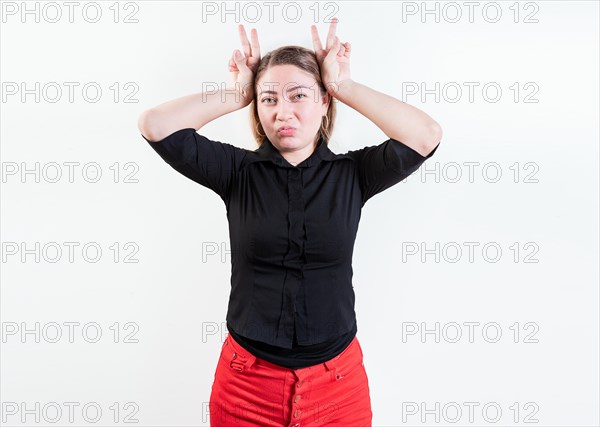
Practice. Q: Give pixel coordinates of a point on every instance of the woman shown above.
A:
(291, 356)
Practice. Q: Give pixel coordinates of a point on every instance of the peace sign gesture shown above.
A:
(243, 65)
(334, 60)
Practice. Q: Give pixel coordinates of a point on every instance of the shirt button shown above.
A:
(299, 384)
(297, 413)
(297, 398)
(234, 355)
(296, 425)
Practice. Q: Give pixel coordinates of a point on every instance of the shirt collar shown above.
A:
(268, 152)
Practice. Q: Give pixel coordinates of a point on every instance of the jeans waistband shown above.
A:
(239, 358)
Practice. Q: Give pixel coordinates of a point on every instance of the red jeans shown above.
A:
(249, 391)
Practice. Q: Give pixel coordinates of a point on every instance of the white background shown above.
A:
(178, 300)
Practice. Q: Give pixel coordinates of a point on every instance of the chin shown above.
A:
(288, 139)
(288, 142)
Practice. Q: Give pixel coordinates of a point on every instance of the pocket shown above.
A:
(226, 348)
(344, 374)
(238, 362)
(234, 359)
(351, 363)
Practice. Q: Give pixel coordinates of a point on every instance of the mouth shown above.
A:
(286, 130)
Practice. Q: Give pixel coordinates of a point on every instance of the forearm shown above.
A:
(190, 111)
(397, 119)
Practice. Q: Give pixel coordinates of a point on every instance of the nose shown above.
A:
(285, 109)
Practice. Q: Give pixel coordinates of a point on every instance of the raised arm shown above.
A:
(398, 120)
(196, 110)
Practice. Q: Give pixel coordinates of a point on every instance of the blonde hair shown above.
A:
(304, 59)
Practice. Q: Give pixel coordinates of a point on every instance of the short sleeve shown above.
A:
(211, 164)
(381, 166)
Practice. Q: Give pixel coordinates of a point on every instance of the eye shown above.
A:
(300, 94)
(264, 99)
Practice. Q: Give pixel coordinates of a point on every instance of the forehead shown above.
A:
(282, 77)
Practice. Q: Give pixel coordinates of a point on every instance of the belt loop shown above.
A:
(332, 364)
(241, 362)
(332, 367)
(237, 355)
(250, 361)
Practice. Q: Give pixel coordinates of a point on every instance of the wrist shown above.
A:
(242, 99)
(340, 89)
(242, 94)
(247, 94)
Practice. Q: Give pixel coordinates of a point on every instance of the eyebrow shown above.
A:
(289, 90)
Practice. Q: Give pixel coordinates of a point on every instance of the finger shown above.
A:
(338, 47)
(345, 49)
(316, 39)
(239, 60)
(332, 53)
(232, 66)
(255, 45)
(244, 40)
(331, 33)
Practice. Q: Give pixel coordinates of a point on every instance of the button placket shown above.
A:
(294, 259)
(296, 408)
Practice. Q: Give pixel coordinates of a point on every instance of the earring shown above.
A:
(324, 129)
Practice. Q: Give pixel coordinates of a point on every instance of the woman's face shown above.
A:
(287, 96)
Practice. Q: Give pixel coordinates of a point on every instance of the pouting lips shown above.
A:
(286, 131)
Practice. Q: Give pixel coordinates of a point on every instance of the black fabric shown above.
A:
(299, 356)
(292, 231)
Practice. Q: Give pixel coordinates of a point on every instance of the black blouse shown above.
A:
(292, 231)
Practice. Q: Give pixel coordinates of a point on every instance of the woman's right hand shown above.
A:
(243, 65)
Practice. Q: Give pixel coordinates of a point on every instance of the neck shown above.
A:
(296, 157)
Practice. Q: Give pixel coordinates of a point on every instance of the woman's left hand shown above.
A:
(334, 60)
